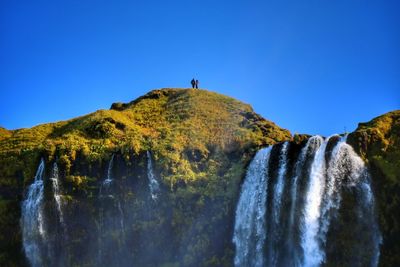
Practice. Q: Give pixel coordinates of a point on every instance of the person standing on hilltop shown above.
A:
(193, 82)
(197, 84)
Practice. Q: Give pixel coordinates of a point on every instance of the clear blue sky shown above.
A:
(310, 66)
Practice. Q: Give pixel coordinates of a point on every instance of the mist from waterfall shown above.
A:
(306, 194)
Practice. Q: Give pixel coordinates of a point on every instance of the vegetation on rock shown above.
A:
(378, 142)
(201, 142)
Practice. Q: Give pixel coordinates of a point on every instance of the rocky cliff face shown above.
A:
(378, 142)
(155, 182)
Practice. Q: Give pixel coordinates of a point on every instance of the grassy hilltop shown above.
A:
(201, 142)
(175, 124)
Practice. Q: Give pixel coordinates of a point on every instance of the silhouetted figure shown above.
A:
(193, 82)
(197, 84)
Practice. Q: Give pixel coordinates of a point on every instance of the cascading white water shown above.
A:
(153, 183)
(313, 255)
(249, 231)
(337, 169)
(280, 183)
(32, 220)
(311, 146)
(345, 163)
(104, 185)
(109, 178)
(367, 205)
(277, 202)
(320, 177)
(56, 191)
(111, 215)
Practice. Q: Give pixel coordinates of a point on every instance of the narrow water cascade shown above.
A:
(367, 210)
(312, 252)
(274, 235)
(109, 179)
(121, 217)
(153, 183)
(32, 220)
(249, 231)
(105, 186)
(338, 168)
(311, 146)
(56, 191)
(330, 199)
(110, 220)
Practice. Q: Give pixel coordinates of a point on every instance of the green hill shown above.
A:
(201, 141)
(175, 124)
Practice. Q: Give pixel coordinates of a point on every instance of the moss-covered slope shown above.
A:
(167, 121)
(201, 142)
(378, 142)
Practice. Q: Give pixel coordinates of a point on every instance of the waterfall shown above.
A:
(329, 192)
(32, 220)
(121, 217)
(249, 231)
(280, 183)
(153, 183)
(110, 220)
(347, 170)
(367, 208)
(56, 191)
(275, 235)
(338, 168)
(109, 179)
(312, 252)
(101, 224)
(311, 146)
